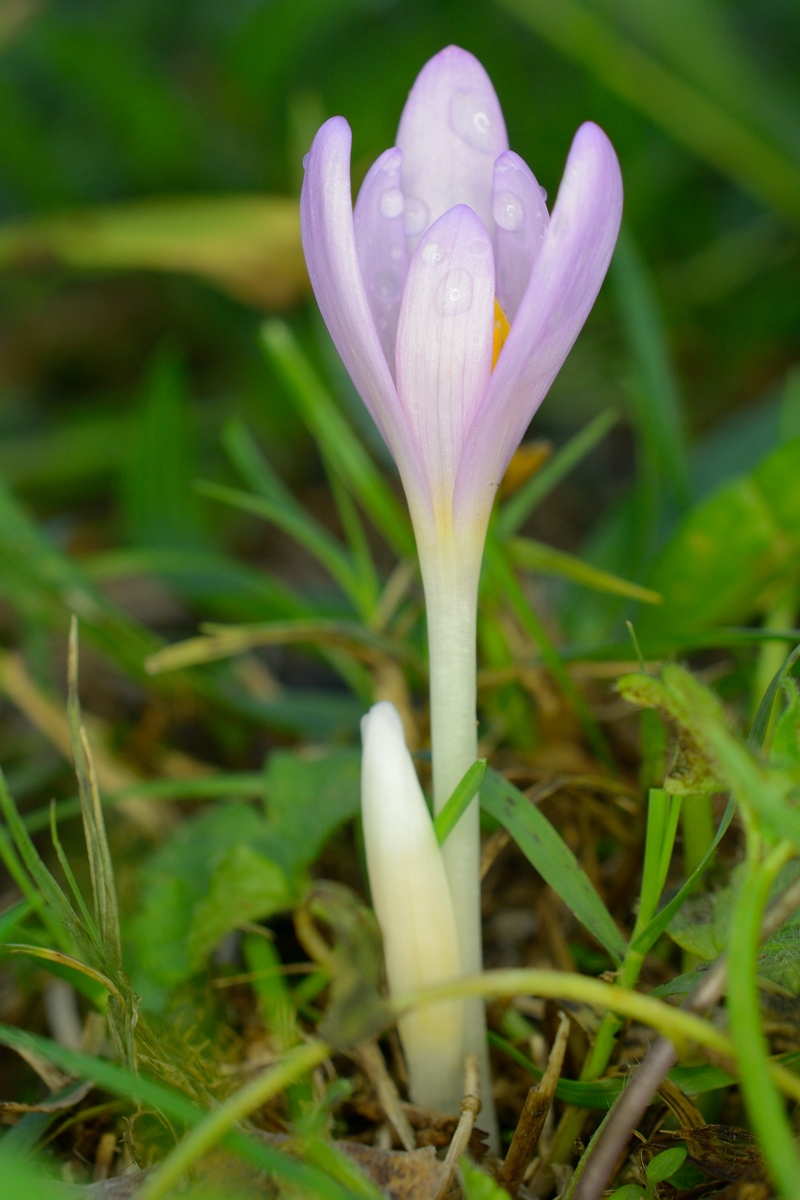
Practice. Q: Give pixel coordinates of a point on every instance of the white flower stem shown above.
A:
(450, 573)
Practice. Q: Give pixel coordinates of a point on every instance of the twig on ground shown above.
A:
(470, 1107)
(534, 1114)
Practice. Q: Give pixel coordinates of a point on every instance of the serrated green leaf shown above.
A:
(245, 886)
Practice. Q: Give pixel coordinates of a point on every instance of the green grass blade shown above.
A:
(536, 556)
(463, 795)
(336, 439)
(11, 920)
(664, 647)
(697, 123)
(552, 858)
(649, 935)
(364, 564)
(656, 395)
(513, 514)
(60, 919)
(223, 641)
(295, 521)
(761, 720)
(600, 1093)
(766, 1108)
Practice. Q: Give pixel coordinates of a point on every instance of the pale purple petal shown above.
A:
(521, 219)
(444, 343)
(381, 245)
(563, 286)
(326, 223)
(451, 132)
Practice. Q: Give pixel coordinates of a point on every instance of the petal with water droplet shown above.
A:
(563, 286)
(444, 343)
(521, 219)
(381, 245)
(451, 131)
(326, 223)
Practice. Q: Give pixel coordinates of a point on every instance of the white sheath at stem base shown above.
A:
(412, 902)
(450, 573)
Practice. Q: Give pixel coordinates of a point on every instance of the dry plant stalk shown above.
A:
(371, 1061)
(470, 1107)
(534, 1114)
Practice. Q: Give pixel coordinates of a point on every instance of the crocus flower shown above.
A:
(412, 901)
(453, 298)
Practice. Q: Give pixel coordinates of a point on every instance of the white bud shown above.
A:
(412, 901)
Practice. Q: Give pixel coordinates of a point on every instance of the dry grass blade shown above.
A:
(225, 641)
(103, 887)
(534, 1114)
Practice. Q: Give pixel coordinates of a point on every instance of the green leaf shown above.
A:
(628, 1191)
(702, 928)
(245, 886)
(478, 1185)
(463, 795)
(728, 553)
(174, 883)
(536, 556)
(665, 1164)
(552, 858)
(516, 510)
(308, 798)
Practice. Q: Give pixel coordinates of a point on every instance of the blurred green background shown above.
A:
(103, 103)
(150, 161)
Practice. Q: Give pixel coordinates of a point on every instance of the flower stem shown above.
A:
(450, 574)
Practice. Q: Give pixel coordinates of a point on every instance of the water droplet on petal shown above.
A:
(306, 157)
(508, 211)
(393, 160)
(454, 295)
(543, 191)
(415, 214)
(386, 283)
(469, 119)
(391, 202)
(395, 253)
(432, 254)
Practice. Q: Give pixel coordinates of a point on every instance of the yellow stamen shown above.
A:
(501, 332)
